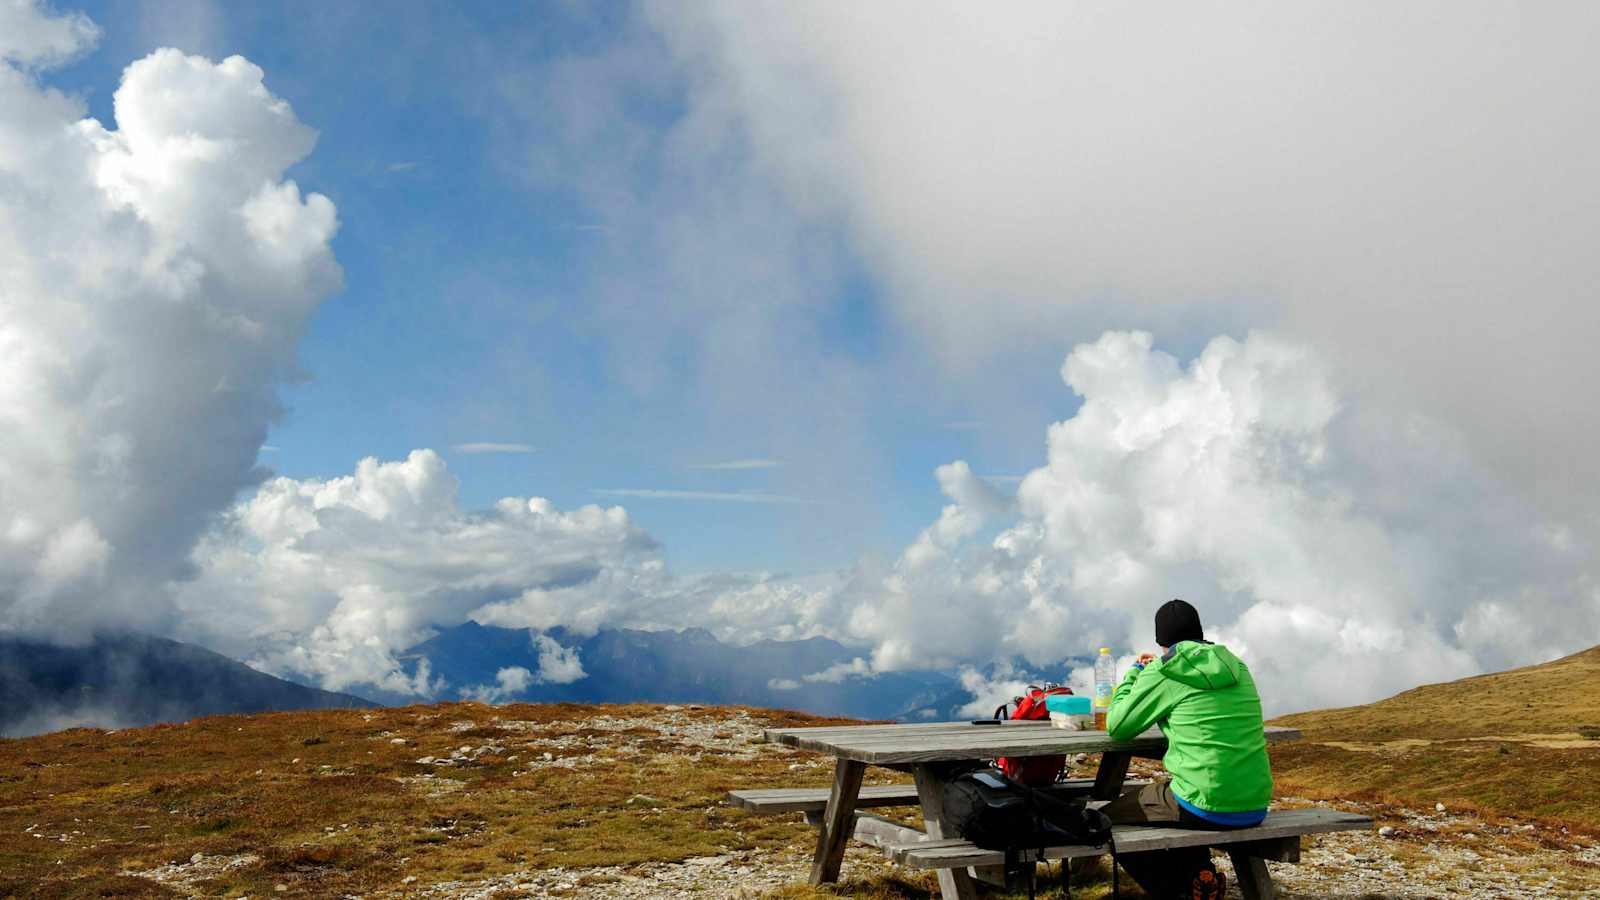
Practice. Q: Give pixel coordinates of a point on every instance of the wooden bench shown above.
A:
(1277, 839)
(873, 830)
(814, 800)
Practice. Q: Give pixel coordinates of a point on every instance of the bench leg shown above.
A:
(954, 884)
(1254, 881)
(838, 821)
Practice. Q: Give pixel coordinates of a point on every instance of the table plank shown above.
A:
(900, 744)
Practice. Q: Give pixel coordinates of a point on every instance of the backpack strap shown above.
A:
(1116, 881)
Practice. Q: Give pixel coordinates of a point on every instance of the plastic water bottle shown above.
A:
(1105, 675)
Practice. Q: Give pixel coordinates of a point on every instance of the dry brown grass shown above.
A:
(331, 806)
(325, 804)
(1481, 743)
(1553, 697)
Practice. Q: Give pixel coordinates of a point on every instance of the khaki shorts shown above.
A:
(1154, 803)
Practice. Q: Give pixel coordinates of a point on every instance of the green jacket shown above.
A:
(1205, 701)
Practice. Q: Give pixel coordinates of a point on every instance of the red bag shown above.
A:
(1034, 771)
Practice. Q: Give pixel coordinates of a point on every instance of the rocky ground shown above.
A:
(472, 801)
(1421, 854)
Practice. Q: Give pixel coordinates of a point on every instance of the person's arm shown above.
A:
(1140, 701)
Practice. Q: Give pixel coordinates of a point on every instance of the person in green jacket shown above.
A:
(1204, 700)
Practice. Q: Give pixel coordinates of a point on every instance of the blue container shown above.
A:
(1067, 704)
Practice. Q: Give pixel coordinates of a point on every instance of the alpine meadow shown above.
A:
(796, 450)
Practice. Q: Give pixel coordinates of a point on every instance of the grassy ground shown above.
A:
(336, 802)
(1523, 742)
(331, 803)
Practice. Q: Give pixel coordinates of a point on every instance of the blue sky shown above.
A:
(471, 270)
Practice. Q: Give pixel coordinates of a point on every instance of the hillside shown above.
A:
(1523, 741)
(132, 679)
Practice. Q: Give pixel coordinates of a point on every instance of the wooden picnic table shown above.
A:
(931, 751)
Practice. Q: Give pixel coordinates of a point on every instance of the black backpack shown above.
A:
(997, 813)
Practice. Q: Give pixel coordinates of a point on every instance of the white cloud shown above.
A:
(558, 664)
(738, 465)
(31, 36)
(158, 278)
(1312, 537)
(1403, 187)
(715, 496)
(329, 578)
(990, 690)
(492, 447)
(782, 684)
(1345, 558)
(838, 672)
(508, 683)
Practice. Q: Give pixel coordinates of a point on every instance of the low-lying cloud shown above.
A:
(328, 578)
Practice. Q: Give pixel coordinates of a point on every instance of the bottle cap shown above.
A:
(1105, 651)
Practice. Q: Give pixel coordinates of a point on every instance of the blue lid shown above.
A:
(1067, 704)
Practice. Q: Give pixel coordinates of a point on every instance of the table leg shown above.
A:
(1254, 881)
(954, 884)
(838, 821)
(1112, 773)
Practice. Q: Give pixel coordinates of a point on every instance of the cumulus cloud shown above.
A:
(1345, 555)
(329, 578)
(158, 277)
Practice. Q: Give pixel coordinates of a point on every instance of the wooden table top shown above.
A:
(951, 741)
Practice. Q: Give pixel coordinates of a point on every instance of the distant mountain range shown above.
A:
(129, 679)
(688, 666)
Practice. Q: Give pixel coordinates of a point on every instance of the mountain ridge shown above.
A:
(127, 679)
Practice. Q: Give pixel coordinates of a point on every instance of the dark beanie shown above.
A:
(1177, 621)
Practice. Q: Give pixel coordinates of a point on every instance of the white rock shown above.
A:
(1386, 832)
(280, 888)
(425, 761)
(1438, 807)
(397, 740)
(408, 879)
(197, 857)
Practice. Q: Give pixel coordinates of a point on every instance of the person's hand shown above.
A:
(1144, 659)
